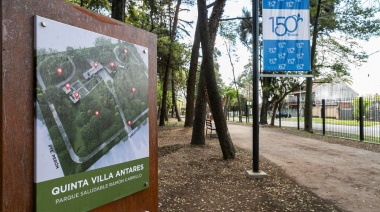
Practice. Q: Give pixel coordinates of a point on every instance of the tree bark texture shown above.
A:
(308, 124)
(309, 81)
(174, 99)
(225, 106)
(167, 68)
(275, 107)
(198, 135)
(265, 103)
(191, 80)
(118, 10)
(163, 112)
(225, 141)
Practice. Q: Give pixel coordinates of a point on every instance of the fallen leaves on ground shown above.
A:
(196, 178)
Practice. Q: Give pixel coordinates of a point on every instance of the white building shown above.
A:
(93, 70)
(332, 92)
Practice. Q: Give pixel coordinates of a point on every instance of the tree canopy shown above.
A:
(337, 27)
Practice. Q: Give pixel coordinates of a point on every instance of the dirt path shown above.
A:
(348, 176)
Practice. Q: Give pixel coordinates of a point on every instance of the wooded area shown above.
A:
(187, 75)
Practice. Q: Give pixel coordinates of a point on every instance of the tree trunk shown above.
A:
(198, 136)
(225, 107)
(189, 120)
(264, 112)
(118, 10)
(309, 81)
(174, 99)
(239, 106)
(308, 124)
(275, 106)
(163, 112)
(225, 141)
(167, 69)
(265, 103)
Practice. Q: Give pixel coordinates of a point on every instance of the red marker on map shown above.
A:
(95, 64)
(59, 71)
(96, 113)
(129, 123)
(112, 64)
(76, 94)
(67, 85)
(125, 51)
(133, 90)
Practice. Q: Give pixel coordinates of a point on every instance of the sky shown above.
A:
(366, 79)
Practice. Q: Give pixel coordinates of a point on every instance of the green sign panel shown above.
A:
(92, 134)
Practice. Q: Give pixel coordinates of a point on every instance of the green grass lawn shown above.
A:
(337, 122)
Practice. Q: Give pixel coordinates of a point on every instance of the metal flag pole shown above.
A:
(255, 86)
(255, 172)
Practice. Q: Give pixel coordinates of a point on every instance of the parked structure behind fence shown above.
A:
(357, 118)
(354, 118)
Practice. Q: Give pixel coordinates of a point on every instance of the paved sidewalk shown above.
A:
(347, 176)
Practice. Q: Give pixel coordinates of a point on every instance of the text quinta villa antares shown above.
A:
(95, 180)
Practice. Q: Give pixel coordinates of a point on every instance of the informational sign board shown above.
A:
(91, 120)
(286, 35)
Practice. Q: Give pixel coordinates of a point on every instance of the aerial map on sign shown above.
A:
(92, 101)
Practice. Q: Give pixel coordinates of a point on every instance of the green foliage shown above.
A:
(366, 103)
(49, 66)
(54, 133)
(53, 94)
(99, 6)
(341, 24)
(153, 16)
(229, 30)
(244, 81)
(359, 19)
(231, 94)
(181, 81)
(136, 14)
(103, 51)
(80, 120)
(245, 28)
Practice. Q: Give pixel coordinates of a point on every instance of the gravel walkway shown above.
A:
(348, 176)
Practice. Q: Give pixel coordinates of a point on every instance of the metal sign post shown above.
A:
(286, 47)
(255, 172)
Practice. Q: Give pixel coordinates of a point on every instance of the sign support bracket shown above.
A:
(286, 75)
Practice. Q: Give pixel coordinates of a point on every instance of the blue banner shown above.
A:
(286, 35)
(286, 4)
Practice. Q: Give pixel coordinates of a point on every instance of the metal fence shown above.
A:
(245, 114)
(357, 118)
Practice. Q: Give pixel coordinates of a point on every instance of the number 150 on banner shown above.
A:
(286, 25)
